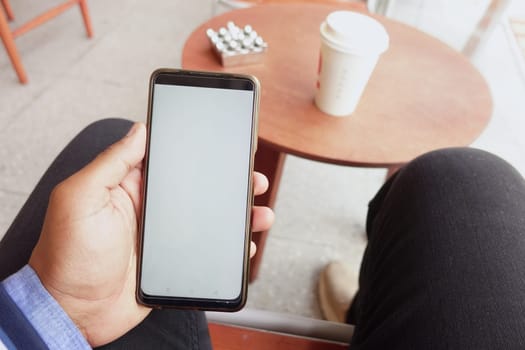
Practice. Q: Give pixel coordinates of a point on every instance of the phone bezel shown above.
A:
(213, 80)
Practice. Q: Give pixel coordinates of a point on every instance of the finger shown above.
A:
(262, 219)
(253, 249)
(132, 185)
(260, 183)
(112, 165)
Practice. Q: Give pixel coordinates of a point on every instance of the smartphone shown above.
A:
(195, 225)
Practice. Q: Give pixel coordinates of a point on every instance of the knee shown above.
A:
(465, 167)
(92, 140)
(450, 198)
(453, 182)
(116, 127)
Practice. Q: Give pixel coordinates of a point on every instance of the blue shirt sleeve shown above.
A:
(50, 321)
(16, 332)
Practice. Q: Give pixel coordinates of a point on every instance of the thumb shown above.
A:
(110, 167)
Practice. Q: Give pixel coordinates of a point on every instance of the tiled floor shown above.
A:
(321, 208)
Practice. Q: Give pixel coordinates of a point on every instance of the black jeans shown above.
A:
(444, 267)
(162, 329)
(445, 263)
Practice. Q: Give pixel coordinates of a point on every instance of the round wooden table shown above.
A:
(423, 95)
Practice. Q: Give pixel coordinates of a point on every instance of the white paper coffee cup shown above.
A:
(351, 44)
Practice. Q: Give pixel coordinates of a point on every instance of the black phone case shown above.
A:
(188, 78)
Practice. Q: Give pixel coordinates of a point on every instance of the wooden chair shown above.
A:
(9, 35)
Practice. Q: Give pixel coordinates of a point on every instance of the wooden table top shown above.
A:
(423, 95)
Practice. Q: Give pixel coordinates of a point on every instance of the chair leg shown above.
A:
(12, 52)
(86, 17)
(382, 7)
(487, 23)
(8, 10)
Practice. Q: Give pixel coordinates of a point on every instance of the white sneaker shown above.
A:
(337, 287)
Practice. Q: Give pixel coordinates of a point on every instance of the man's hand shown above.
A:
(86, 255)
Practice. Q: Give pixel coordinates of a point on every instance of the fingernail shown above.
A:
(132, 130)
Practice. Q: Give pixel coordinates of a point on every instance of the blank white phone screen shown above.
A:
(197, 192)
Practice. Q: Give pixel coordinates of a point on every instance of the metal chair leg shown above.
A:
(382, 7)
(486, 24)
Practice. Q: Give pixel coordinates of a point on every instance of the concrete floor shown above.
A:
(321, 208)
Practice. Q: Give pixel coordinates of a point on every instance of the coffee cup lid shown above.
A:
(354, 33)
